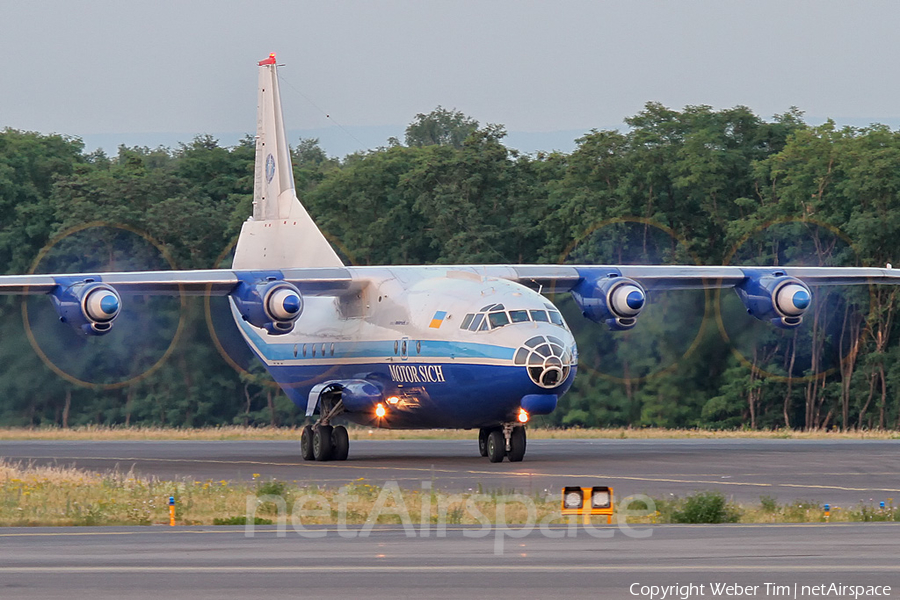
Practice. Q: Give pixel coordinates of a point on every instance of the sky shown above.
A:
(355, 73)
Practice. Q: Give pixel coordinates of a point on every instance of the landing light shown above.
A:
(523, 416)
(393, 400)
(380, 411)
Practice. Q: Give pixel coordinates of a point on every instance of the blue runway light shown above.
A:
(171, 511)
(827, 507)
(882, 505)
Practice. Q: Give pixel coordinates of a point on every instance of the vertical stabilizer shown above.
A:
(280, 234)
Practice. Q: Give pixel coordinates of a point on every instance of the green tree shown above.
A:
(440, 127)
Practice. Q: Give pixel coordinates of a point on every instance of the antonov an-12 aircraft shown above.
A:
(467, 346)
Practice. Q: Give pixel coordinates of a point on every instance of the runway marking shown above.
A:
(531, 568)
(606, 477)
(161, 530)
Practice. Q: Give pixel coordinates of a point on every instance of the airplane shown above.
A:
(464, 346)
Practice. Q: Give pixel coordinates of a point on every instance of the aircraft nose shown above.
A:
(547, 358)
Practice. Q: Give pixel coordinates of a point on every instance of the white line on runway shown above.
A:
(201, 530)
(768, 568)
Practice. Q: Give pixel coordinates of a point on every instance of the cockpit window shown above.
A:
(521, 356)
(543, 350)
(498, 319)
(495, 316)
(519, 316)
(539, 315)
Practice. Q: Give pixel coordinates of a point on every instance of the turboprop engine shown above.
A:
(775, 297)
(613, 299)
(271, 304)
(88, 306)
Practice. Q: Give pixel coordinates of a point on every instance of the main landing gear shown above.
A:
(323, 441)
(504, 440)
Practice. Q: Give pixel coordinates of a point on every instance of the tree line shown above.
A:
(695, 186)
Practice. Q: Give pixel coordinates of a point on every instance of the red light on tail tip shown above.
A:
(268, 61)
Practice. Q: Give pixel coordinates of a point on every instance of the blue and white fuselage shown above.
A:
(440, 344)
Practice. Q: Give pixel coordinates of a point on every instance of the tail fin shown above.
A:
(280, 234)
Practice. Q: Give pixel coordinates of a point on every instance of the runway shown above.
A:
(837, 472)
(201, 563)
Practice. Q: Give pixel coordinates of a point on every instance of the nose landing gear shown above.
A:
(507, 440)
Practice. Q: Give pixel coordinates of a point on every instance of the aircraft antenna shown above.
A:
(316, 106)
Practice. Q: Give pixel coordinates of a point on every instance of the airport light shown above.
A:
(600, 497)
(573, 498)
(587, 501)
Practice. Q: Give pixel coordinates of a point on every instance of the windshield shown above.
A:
(495, 316)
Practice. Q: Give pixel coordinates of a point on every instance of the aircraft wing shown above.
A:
(215, 282)
(549, 278)
(614, 294)
(562, 278)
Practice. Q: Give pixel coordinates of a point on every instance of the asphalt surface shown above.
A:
(198, 563)
(837, 472)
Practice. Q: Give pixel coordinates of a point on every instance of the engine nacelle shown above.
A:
(613, 299)
(88, 306)
(271, 304)
(775, 297)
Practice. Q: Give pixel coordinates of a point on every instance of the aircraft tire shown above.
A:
(306, 443)
(323, 446)
(496, 446)
(341, 441)
(482, 440)
(517, 444)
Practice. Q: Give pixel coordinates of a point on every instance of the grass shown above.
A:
(62, 496)
(114, 433)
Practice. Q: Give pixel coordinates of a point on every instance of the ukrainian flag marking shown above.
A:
(438, 318)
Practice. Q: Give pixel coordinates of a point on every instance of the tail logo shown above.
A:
(270, 168)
